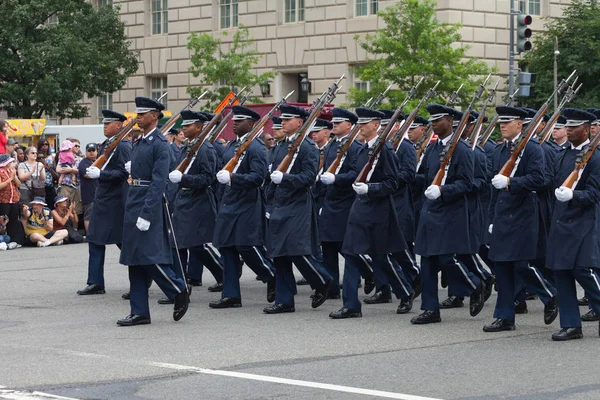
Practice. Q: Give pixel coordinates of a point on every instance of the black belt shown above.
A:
(140, 182)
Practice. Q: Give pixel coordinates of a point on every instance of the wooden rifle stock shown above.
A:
(217, 131)
(582, 159)
(114, 142)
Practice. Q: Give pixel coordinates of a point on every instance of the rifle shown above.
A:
(511, 163)
(580, 162)
(288, 161)
(446, 154)
(365, 173)
(547, 131)
(422, 144)
(212, 137)
(335, 166)
(472, 140)
(403, 131)
(254, 133)
(492, 125)
(114, 141)
(195, 144)
(191, 104)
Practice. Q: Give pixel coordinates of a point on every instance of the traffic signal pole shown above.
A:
(511, 51)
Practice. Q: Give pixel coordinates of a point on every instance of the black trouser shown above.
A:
(14, 228)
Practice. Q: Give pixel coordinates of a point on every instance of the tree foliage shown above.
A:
(229, 66)
(415, 44)
(578, 33)
(49, 67)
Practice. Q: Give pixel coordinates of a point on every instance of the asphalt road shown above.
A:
(55, 342)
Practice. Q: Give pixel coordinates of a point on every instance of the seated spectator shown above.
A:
(63, 213)
(87, 186)
(5, 243)
(39, 226)
(9, 198)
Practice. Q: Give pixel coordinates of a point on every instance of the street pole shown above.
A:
(556, 53)
(511, 51)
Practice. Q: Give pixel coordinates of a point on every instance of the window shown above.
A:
(158, 88)
(53, 20)
(105, 3)
(105, 102)
(294, 10)
(160, 19)
(359, 84)
(366, 7)
(532, 7)
(229, 13)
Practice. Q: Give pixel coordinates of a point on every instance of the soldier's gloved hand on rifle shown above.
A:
(277, 177)
(563, 194)
(142, 224)
(360, 188)
(328, 178)
(128, 167)
(93, 172)
(500, 182)
(491, 228)
(224, 177)
(175, 176)
(433, 192)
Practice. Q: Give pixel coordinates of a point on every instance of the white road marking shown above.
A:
(27, 395)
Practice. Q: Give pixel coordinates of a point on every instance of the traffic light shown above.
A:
(526, 81)
(523, 32)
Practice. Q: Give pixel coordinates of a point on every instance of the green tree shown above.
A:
(415, 44)
(230, 70)
(578, 33)
(49, 67)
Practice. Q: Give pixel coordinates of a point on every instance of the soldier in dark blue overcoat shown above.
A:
(146, 247)
(415, 135)
(373, 226)
(241, 225)
(515, 223)
(319, 134)
(573, 251)
(338, 196)
(292, 236)
(559, 134)
(195, 208)
(106, 222)
(444, 224)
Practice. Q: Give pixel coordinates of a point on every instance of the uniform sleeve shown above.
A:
(308, 158)
(347, 178)
(207, 168)
(463, 175)
(479, 171)
(388, 162)
(549, 157)
(407, 158)
(257, 159)
(590, 195)
(533, 179)
(117, 172)
(160, 171)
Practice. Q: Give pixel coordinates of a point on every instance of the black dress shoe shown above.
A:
(417, 286)
(132, 320)
(344, 313)
(583, 301)
(550, 311)
(369, 285)
(126, 296)
(590, 316)
(452, 302)
(301, 282)
(271, 290)
(194, 282)
(321, 294)
(378, 298)
(477, 300)
(166, 300)
(406, 305)
(217, 287)
(427, 317)
(182, 301)
(91, 289)
(226, 302)
(520, 307)
(489, 287)
(278, 309)
(500, 325)
(567, 334)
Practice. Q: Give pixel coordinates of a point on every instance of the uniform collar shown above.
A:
(371, 142)
(446, 139)
(580, 146)
(342, 138)
(243, 137)
(149, 133)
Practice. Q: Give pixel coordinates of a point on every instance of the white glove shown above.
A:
(328, 178)
(142, 224)
(360, 188)
(224, 177)
(128, 167)
(268, 215)
(563, 194)
(500, 182)
(175, 176)
(490, 228)
(93, 172)
(433, 192)
(277, 177)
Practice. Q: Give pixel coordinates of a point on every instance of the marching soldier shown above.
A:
(320, 135)
(338, 196)
(195, 206)
(293, 235)
(240, 228)
(515, 223)
(575, 227)
(146, 245)
(596, 124)
(559, 133)
(415, 135)
(373, 226)
(443, 229)
(106, 222)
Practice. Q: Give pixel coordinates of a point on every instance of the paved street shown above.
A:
(55, 342)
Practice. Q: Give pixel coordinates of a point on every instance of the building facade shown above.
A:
(300, 39)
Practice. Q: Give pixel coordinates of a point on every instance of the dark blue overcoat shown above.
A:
(477, 211)
(546, 196)
(403, 197)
